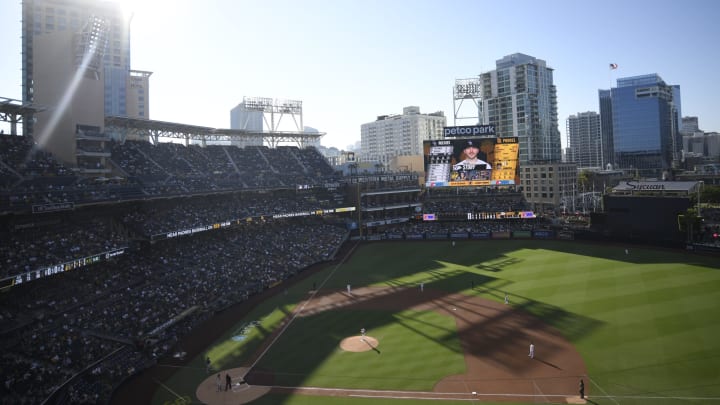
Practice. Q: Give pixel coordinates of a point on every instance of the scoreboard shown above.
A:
(445, 162)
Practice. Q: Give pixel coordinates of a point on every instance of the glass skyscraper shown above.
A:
(520, 99)
(606, 129)
(645, 118)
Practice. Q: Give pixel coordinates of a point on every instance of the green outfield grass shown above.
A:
(646, 323)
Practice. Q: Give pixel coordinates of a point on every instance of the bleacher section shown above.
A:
(140, 170)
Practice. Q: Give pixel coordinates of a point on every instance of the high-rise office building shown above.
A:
(699, 146)
(520, 99)
(76, 64)
(138, 95)
(645, 117)
(606, 129)
(399, 135)
(584, 140)
(689, 125)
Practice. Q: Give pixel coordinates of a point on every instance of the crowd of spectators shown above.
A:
(78, 321)
(23, 158)
(159, 217)
(426, 230)
(35, 242)
(110, 319)
(26, 248)
(475, 202)
(30, 176)
(192, 169)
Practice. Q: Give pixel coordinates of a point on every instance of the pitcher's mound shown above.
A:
(359, 343)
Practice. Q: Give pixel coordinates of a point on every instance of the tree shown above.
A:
(584, 180)
(710, 194)
(690, 223)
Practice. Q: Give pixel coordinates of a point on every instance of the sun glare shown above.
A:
(146, 9)
(129, 7)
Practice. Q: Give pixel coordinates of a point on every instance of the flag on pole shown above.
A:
(613, 66)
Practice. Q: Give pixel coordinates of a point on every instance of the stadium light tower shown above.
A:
(467, 89)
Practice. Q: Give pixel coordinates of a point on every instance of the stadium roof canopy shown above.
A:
(154, 130)
(13, 111)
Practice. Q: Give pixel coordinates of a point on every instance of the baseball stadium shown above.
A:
(357, 288)
(311, 286)
(160, 263)
(266, 285)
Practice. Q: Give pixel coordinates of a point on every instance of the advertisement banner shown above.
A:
(543, 234)
(501, 235)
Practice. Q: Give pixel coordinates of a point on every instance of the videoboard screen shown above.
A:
(471, 162)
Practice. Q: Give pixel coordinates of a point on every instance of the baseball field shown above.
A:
(639, 327)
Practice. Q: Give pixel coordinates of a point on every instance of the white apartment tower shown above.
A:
(520, 99)
(585, 140)
(399, 135)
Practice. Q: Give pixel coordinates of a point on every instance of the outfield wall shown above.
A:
(540, 234)
(535, 234)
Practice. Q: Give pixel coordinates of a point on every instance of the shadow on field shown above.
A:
(492, 250)
(547, 363)
(375, 349)
(483, 329)
(444, 283)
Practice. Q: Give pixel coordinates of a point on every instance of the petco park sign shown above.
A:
(474, 130)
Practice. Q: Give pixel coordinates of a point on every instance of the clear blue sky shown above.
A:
(350, 61)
